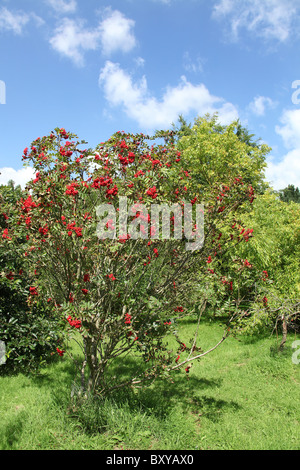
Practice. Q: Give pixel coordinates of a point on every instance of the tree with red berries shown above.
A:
(101, 250)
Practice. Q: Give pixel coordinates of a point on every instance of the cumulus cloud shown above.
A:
(269, 19)
(136, 101)
(287, 170)
(116, 32)
(20, 177)
(13, 21)
(72, 38)
(63, 6)
(289, 129)
(260, 104)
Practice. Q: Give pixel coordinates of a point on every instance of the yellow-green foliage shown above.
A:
(216, 154)
(275, 246)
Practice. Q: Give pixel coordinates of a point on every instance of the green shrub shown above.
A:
(30, 332)
(30, 335)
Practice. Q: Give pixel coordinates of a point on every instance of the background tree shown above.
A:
(215, 154)
(276, 245)
(275, 250)
(244, 136)
(215, 150)
(290, 193)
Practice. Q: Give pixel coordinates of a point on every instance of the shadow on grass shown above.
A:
(66, 370)
(59, 379)
(211, 408)
(153, 404)
(13, 432)
(157, 401)
(163, 396)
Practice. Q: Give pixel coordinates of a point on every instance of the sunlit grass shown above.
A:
(244, 395)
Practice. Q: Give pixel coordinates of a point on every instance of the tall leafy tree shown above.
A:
(215, 152)
(244, 136)
(290, 193)
(276, 245)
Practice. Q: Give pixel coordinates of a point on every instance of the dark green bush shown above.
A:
(31, 335)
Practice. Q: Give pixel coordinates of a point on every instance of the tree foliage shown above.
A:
(30, 334)
(290, 194)
(216, 153)
(276, 245)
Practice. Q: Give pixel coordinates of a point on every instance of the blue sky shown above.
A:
(95, 67)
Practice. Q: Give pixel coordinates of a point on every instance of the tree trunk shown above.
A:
(92, 362)
(284, 332)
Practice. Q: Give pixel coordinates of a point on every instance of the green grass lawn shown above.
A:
(243, 395)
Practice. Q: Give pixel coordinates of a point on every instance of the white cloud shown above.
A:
(139, 61)
(270, 19)
(259, 105)
(116, 32)
(150, 113)
(72, 38)
(21, 176)
(287, 171)
(14, 22)
(191, 65)
(63, 6)
(166, 2)
(290, 129)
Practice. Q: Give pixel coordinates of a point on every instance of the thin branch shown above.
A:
(199, 355)
(203, 307)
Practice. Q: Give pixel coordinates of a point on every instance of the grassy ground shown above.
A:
(244, 395)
